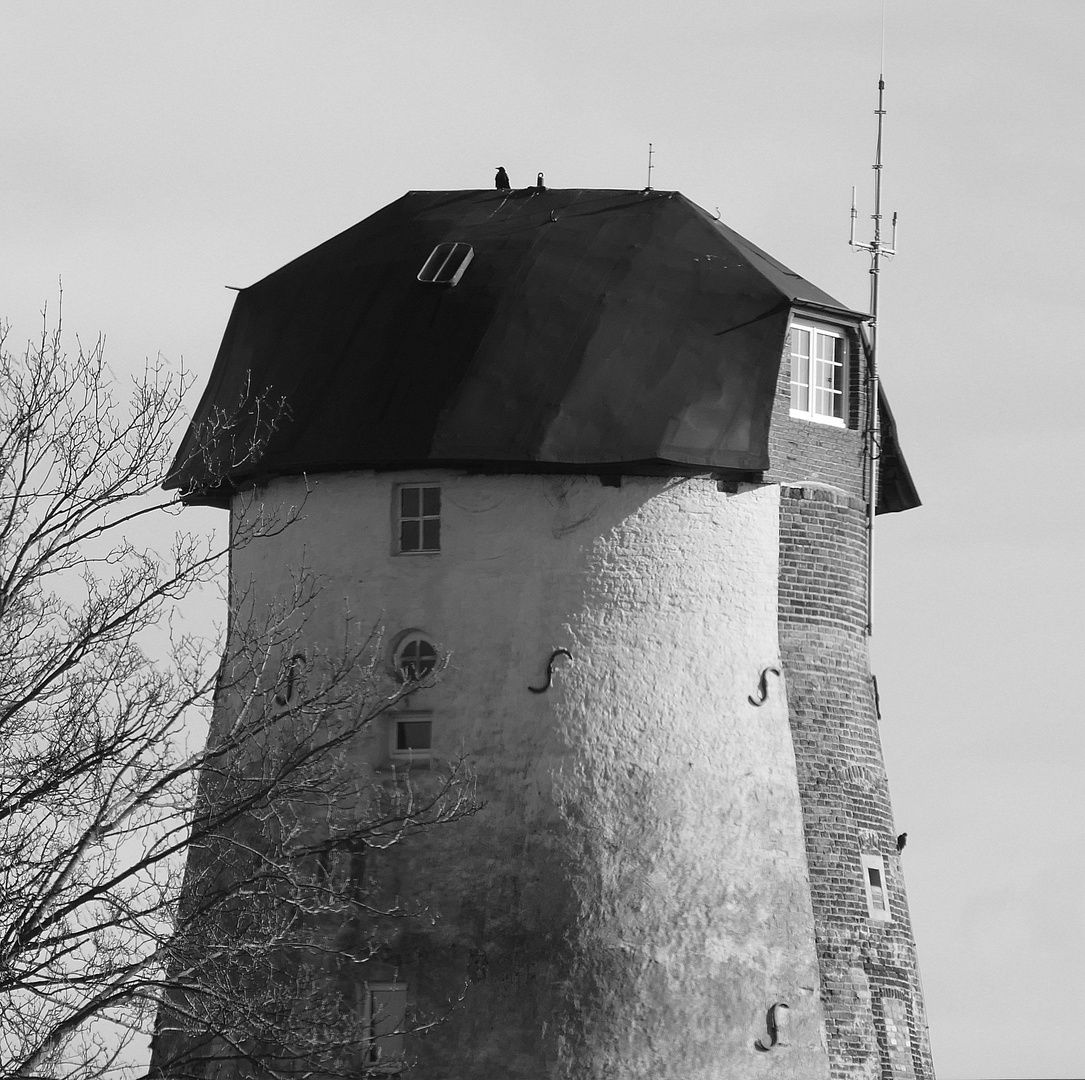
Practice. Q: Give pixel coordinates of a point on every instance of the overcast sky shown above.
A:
(154, 153)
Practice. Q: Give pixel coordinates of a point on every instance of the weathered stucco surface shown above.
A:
(635, 894)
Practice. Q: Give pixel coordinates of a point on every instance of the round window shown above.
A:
(415, 657)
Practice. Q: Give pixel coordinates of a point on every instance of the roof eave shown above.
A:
(833, 310)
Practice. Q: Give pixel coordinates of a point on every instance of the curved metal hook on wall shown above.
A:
(293, 668)
(762, 686)
(550, 671)
(776, 1026)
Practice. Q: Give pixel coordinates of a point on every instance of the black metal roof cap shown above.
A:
(592, 330)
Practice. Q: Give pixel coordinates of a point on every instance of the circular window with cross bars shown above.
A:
(414, 657)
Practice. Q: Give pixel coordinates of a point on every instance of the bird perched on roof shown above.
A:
(901, 841)
(501, 180)
(539, 185)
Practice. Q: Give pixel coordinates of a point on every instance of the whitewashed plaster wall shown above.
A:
(635, 894)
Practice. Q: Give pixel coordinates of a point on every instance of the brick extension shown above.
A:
(870, 986)
(876, 1023)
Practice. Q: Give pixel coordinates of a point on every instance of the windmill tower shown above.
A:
(610, 457)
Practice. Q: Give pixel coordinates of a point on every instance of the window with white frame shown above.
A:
(877, 892)
(411, 737)
(385, 1018)
(818, 373)
(418, 519)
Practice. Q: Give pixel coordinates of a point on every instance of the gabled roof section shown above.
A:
(590, 329)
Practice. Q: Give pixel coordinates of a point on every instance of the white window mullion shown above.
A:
(800, 369)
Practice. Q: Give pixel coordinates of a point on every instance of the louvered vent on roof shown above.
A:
(446, 264)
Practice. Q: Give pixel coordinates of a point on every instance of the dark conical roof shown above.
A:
(590, 329)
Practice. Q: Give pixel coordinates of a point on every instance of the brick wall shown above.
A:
(875, 1021)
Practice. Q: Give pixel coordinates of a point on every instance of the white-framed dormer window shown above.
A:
(418, 519)
(877, 891)
(818, 373)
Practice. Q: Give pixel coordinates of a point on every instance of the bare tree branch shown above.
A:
(140, 876)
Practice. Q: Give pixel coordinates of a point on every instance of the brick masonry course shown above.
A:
(874, 1015)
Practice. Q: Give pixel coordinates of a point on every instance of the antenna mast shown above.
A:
(877, 248)
(649, 187)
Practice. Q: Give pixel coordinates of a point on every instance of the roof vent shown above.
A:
(446, 264)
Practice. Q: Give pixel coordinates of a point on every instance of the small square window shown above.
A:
(818, 373)
(414, 735)
(385, 1020)
(877, 893)
(418, 518)
(410, 737)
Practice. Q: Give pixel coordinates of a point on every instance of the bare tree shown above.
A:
(140, 875)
